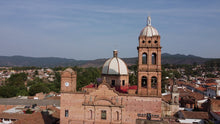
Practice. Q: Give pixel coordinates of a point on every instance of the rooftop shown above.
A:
(195, 115)
(14, 101)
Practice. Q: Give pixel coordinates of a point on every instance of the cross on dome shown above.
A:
(148, 21)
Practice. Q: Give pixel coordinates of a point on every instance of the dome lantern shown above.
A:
(115, 53)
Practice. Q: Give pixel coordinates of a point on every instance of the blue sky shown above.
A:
(92, 29)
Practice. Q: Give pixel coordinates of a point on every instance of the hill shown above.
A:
(55, 61)
(38, 61)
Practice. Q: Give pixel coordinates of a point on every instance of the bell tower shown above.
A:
(149, 61)
(174, 93)
(68, 80)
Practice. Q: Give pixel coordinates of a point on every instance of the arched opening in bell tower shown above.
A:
(175, 99)
(154, 58)
(144, 58)
(144, 81)
(90, 112)
(154, 82)
(117, 115)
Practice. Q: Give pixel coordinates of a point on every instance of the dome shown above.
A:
(149, 30)
(115, 66)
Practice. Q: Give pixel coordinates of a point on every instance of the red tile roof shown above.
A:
(90, 86)
(133, 87)
(215, 105)
(166, 98)
(212, 88)
(195, 115)
(201, 88)
(187, 92)
(13, 115)
(35, 118)
(210, 84)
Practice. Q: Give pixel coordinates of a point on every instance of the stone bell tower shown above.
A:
(174, 93)
(68, 80)
(149, 61)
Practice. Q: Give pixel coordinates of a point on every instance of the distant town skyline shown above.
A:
(88, 29)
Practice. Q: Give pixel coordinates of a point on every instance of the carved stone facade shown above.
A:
(105, 105)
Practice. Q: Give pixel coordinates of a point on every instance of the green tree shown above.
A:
(86, 76)
(37, 88)
(133, 76)
(17, 79)
(209, 75)
(176, 74)
(22, 92)
(8, 91)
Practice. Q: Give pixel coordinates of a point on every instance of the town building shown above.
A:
(170, 102)
(114, 100)
(29, 111)
(191, 117)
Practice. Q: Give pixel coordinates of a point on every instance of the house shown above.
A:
(192, 117)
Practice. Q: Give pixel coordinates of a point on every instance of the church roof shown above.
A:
(69, 70)
(115, 66)
(149, 30)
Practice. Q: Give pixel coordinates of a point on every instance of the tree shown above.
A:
(23, 92)
(176, 74)
(133, 77)
(164, 81)
(17, 79)
(14, 86)
(8, 91)
(86, 76)
(37, 88)
(210, 75)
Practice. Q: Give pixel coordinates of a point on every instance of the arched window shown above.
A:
(117, 115)
(154, 82)
(154, 58)
(143, 41)
(123, 82)
(66, 113)
(103, 114)
(144, 81)
(175, 99)
(90, 112)
(144, 58)
(113, 82)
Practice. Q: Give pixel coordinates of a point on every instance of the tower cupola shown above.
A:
(149, 30)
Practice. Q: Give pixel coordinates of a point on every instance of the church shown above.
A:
(114, 101)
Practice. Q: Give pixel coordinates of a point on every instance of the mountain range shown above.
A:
(56, 61)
